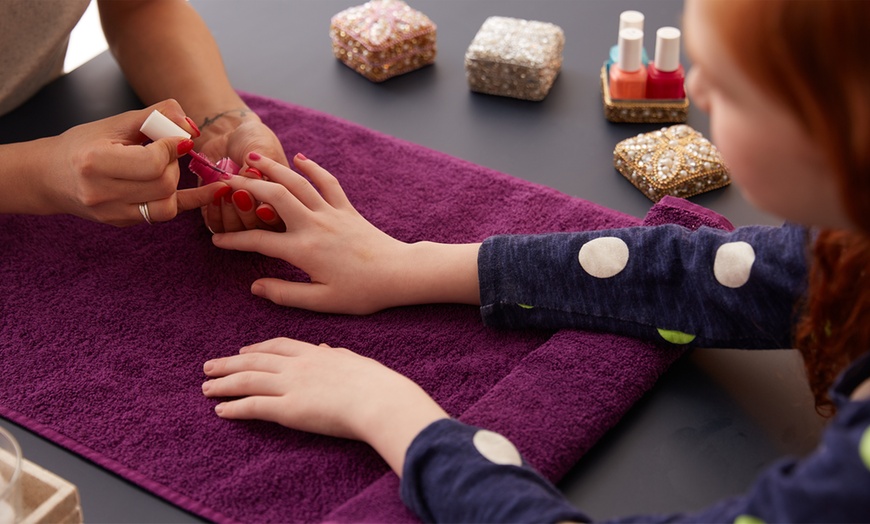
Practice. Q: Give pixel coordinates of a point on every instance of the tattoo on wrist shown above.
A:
(209, 120)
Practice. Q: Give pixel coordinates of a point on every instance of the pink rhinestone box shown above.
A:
(383, 38)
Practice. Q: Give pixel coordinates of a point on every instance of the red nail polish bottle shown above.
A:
(628, 76)
(666, 77)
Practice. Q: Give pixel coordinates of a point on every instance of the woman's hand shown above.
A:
(101, 172)
(234, 135)
(354, 267)
(331, 391)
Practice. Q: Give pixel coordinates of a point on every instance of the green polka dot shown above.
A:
(864, 448)
(748, 519)
(676, 337)
(525, 306)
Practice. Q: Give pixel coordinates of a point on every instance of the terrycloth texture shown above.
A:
(103, 333)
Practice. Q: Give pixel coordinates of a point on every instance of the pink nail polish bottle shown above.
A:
(627, 75)
(665, 75)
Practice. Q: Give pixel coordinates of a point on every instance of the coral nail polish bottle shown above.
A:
(627, 75)
(665, 75)
(628, 19)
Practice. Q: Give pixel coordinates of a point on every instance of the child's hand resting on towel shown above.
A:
(354, 267)
(325, 390)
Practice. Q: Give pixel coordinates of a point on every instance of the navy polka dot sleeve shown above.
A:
(709, 288)
(458, 473)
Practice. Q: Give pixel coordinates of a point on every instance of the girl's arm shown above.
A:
(452, 472)
(666, 283)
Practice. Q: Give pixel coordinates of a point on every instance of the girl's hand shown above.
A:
(100, 171)
(353, 266)
(331, 391)
(234, 136)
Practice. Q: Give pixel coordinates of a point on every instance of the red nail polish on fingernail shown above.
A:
(266, 214)
(302, 157)
(184, 147)
(254, 171)
(243, 201)
(219, 194)
(254, 156)
(196, 132)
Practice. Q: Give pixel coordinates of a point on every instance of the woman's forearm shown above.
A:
(166, 51)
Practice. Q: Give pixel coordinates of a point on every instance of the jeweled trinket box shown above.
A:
(383, 38)
(675, 160)
(514, 58)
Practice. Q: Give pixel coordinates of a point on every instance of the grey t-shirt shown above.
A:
(34, 35)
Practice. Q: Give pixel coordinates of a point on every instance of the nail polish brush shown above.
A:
(158, 126)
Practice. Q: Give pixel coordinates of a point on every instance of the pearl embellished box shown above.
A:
(383, 38)
(675, 160)
(514, 58)
(643, 111)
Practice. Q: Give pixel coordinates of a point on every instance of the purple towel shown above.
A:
(103, 333)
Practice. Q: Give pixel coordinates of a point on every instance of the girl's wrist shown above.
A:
(442, 274)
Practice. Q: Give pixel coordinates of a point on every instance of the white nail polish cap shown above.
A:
(667, 49)
(630, 49)
(629, 19)
(157, 126)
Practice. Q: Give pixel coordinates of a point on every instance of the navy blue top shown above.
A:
(710, 288)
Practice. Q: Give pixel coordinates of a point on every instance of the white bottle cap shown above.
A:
(628, 19)
(157, 126)
(630, 49)
(667, 49)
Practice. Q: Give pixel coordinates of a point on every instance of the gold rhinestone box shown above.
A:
(644, 111)
(514, 58)
(383, 38)
(675, 160)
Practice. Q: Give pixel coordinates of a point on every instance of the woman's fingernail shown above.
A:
(219, 409)
(196, 132)
(243, 201)
(254, 156)
(208, 366)
(266, 214)
(184, 147)
(254, 171)
(219, 194)
(257, 289)
(300, 156)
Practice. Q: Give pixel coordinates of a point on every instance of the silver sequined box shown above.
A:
(514, 57)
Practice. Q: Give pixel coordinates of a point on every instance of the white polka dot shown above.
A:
(496, 448)
(733, 263)
(604, 257)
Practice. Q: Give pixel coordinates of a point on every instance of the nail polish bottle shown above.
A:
(665, 75)
(628, 75)
(628, 19)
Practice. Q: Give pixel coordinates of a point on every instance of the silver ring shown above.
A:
(143, 210)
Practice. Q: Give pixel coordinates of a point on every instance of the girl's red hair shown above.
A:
(812, 56)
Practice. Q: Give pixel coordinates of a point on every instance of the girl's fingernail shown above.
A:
(208, 366)
(254, 156)
(196, 132)
(219, 409)
(243, 201)
(266, 214)
(228, 198)
(219, 194)
(258, 289)
(184, 147)
(300, 156)
(254, 171)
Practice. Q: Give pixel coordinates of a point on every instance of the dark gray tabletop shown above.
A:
(711, 423)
